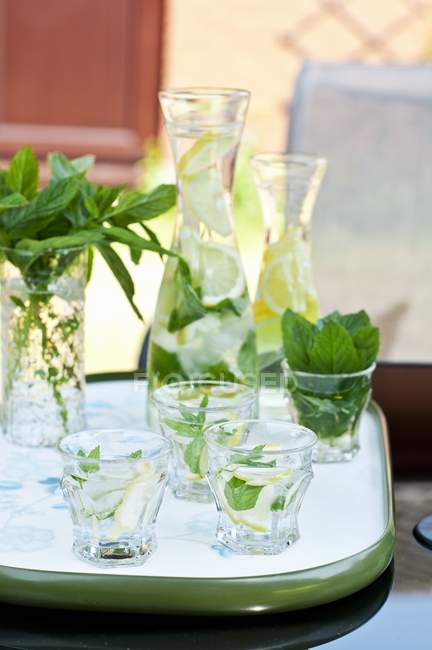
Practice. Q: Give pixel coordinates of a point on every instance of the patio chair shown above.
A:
(372, 227)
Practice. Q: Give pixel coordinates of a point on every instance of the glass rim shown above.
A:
(66, 249)
(212, 428)
(305, 158)
(165, 445)
(335, 375)
(194, 92)
(248, 397)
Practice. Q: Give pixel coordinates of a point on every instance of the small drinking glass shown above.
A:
(113, 482)
(332, 406)
(185, 410)
(259, 471)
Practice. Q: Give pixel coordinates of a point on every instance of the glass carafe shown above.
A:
(203, 326)
(288, 185)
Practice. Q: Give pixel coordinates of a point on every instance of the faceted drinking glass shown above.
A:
(113, 483)
(331, 405)
(185, 409)
(259, 471)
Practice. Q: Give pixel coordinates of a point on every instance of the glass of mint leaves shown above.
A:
(259, 471)
(185, 409)
(48, 238)
(113, 483)
(328, 369)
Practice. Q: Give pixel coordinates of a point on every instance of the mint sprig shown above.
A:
(192, 426)
(337, 344)
(73, 212)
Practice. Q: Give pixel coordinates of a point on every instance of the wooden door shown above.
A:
(80, 76)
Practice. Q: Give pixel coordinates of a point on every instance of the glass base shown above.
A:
(333, 453)
(246, 542)
(32, 416)
(192, 491)
(125, 552)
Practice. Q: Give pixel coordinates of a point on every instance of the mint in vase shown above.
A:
(48, 238)
(328, 368)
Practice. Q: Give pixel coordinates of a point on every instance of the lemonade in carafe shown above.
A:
(203, 327)
(288, 185)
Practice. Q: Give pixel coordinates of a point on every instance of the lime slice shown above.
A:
(222, 274)
(287, 279)
(206, 151)
(205, 201)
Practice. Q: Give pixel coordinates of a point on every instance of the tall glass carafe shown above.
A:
(203, 326)
(288, 185)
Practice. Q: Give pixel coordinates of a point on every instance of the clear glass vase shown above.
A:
(203, 326)
(42, 329)
(288, 185)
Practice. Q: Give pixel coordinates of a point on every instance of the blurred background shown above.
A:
(348, 79)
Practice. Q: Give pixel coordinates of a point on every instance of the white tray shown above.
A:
(346, 526)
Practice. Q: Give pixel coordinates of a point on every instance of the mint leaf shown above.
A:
(188, 307)
(182, 428)
(79, 479)
(333, 351)
(121, 273)
(247, 358)
(366, 341)
(29, 220)
(105, 197)
(124, 236)
(253, 459)
(4, 188)
(86, 467)
(351, 322)
(192, 454)
(298, 337)
(236, 305)
(240, 495)
(278, 504)
(187, 415)
(61, 167)
(52, 243)
(165, 364)
(135, 206)
(15, 200)
(23, 173)
(136, 454)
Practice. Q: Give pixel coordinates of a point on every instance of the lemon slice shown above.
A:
(135, 499)
(287, 279)
(222, 274)
(205, 201)
(206, 151)
(257, 518)
(190, 249)
(261, 475)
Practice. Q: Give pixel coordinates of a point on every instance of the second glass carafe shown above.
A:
(288, 185)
